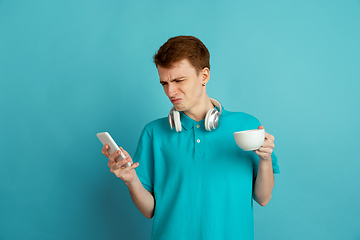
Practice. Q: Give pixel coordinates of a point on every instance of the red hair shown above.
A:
(183, 47)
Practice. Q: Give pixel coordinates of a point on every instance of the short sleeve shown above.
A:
(275, 164)
(274, 161)
(145, 157)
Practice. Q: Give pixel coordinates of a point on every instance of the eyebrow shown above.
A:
(178, 78)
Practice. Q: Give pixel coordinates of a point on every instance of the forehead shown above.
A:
(181, 68)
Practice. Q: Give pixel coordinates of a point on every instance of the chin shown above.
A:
(179, 107)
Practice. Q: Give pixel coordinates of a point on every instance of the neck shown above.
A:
(199, 112)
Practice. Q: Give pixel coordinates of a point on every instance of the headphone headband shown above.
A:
(217, 104)
(212, 119)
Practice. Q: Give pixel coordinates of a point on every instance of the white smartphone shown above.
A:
(105, 138)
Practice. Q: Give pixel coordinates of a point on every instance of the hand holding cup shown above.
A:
(257, 140)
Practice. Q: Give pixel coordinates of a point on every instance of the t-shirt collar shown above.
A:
(188, 123)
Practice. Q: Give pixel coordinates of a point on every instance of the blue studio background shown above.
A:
(70, 69)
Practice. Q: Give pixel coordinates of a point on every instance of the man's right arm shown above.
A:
(143, 199)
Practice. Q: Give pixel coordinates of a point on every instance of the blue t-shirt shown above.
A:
(202, 181)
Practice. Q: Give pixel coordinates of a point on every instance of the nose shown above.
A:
(171, 90)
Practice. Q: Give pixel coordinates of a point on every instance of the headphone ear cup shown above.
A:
(213, 117)
(177, 122)
(171, 120)
(207, 120)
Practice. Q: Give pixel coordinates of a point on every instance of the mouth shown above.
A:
(175, 100)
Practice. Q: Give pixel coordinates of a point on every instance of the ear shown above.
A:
(205, 75)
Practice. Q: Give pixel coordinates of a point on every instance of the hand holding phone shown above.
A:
(105, 138)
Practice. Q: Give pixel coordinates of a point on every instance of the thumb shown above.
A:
(260, 127)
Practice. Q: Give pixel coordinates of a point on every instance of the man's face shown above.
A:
(183, 85)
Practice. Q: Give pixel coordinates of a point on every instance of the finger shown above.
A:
(261, 154)
(257, 152)
(116, 166)
(121, 164)
(105, 150)
(133, 166)
(264, 150)
(125, 152)
(269, 136)
(127, 155)
(268, 144)
(120, 172)
(264, 156)
(113, 156)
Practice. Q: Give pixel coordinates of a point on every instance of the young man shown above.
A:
(191, 176)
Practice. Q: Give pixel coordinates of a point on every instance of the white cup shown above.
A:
(250, 140)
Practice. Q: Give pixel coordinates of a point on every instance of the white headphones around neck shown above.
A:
(212, 120)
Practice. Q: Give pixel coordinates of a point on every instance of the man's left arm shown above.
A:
(264, 181)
